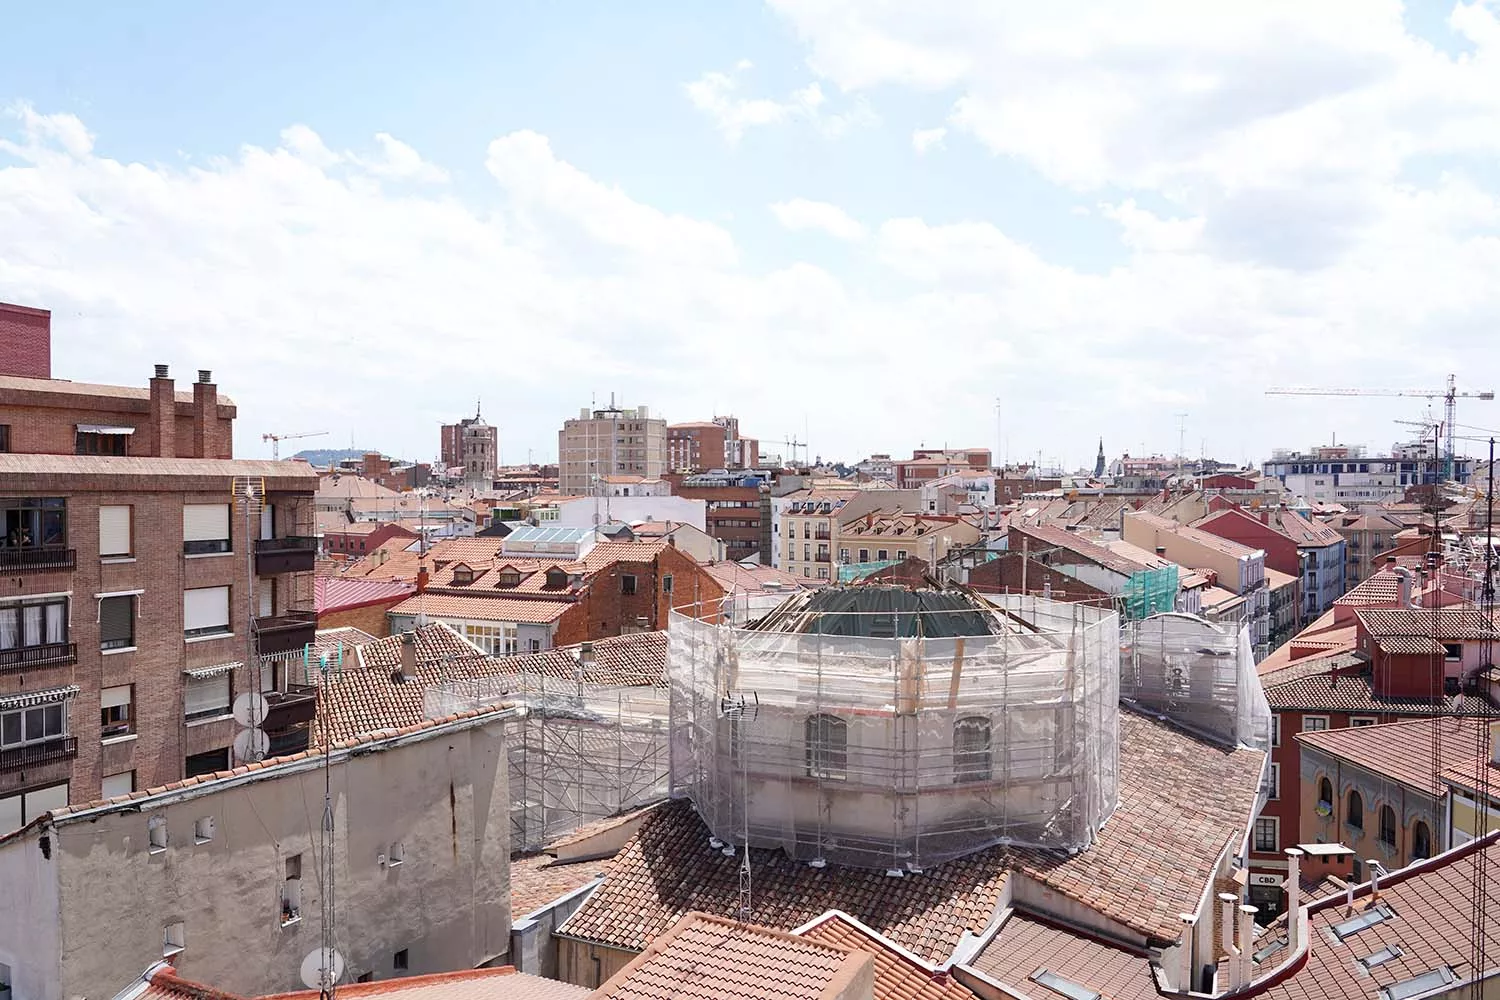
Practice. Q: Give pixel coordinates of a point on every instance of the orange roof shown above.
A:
(1026, 944)
(503, 983)
(704, 957)
(483, 609)
(1402, 751)
(538, 879)
(899, 975)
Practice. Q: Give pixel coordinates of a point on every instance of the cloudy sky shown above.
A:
(863, 221)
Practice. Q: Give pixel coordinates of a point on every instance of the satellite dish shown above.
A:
(251, 745)
(250, 708)
(319, 961)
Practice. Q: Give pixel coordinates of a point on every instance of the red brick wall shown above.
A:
(50, 429)
(25, 341)
(605, 610)
(370, 618)
(1003, 575)
(1247, 529)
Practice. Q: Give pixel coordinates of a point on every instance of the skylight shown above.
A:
(1384, 955)
(1418, 985)
(1375, 915)
(1066, 987)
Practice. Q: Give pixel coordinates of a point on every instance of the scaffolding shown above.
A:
(582, 750)
(1149, 592)
(889, 728)
(1199, 674)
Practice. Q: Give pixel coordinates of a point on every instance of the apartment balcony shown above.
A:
(295, 706)
(822, 535)
(822, 557)
(53, 654)
(286, 742)
(285, 633)
(291, 554)
(37, 559)
(36, 754)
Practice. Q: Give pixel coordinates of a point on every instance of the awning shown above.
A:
(28, 699)
(199, 673)
(104, 429)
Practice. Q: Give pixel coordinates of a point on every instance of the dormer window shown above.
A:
(557, 578)
(463, 575)
(510, 578)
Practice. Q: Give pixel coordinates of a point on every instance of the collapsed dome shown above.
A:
(885, 727)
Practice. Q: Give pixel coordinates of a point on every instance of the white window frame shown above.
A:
(1275, 785)
(1275, 835)
(206, 629)
(1363, 720)
(22, 713)
(1309, 718)
(209, 708)
(207, 527)
(1276, 729)
(111, 697)
(109, 515)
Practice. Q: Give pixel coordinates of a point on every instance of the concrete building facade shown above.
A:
(613, 441)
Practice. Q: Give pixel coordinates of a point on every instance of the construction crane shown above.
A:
(276, 440)
(1449, 396)
(793, 444)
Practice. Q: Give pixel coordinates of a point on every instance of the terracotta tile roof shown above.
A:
(738, 578)
(1431, 925)
(1441, 623)
(346, 637)
(341, 487)
(1198, 535)
(899, 975)
(339, 594)
(1307, 533)
(1402, 751)
(1092, 551)
(537, 880)
(1026, 944)
(704, 957)
(638, 659)
(1312, 666)
(1380, 589)
(279, 476)
(503, 983)
(484, 609)
(1353, 692)
(1182, 800)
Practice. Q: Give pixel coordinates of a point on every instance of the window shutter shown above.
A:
(114, 697)
(205, 522)
(206, 695)
(117, 784)
(114, 531)
(115, 623)
(267, 599)
(43, 799)
(205, 608)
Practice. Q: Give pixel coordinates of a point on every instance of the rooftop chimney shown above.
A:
(1293, 897)
(422, 577)
(1161, 550)
(1244, 966)
(163, 429)
(1403, 585)
(205, 416)
(1184, 982)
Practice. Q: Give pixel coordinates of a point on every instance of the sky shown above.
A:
(863, 224)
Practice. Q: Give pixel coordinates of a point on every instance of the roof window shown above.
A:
(1375, 915)
(1064, 987)
(1418, 985)
(1379, 958)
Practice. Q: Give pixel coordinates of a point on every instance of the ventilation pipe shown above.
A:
(1293, 898)
(1247, 946)
(1184, 982)
(1227, 902)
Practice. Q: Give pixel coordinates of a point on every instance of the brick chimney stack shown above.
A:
(205, 416)
(163, 415)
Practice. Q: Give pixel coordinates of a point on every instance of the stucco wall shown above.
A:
(29, 924)
(443, 799)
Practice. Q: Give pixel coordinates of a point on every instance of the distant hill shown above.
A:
(328, 456)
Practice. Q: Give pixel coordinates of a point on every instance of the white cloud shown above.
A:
(800, 214)
(923, 139)
(399, 161)
(717, 95)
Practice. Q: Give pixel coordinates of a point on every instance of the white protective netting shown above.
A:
(900, 752)
(1199, 674)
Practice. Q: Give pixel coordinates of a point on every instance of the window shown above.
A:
(827, 738)
(1314, 723)
(881, 555)
(205, 611)
(1325, 797)
(1267, 836)
(1388, 826)
(534, 645)
(1453, 650)
(666, 585)
(1416, 986)
(463, 575)
(115, 531)
(29, 726)
(1421, 841)
(172, 939)
(114, 712)
(822, 572)
(901, 555)
(206, 697)
(1273, 792)
(30, 625)
(400, 961)
(156, 833)
(4, 447)
(1355, 816)
(18, 810)
(206, 763)
(1064, 987)
(34, 523)
(971, 749)
(1362, 720)
(117, 622)
(1276, 730)
(117, 784)
(205, 528)
(627, 583)
(291, 891)
(864, 555)
(510, 578)
(843, 555)
(203, 829)
(1377, 914)
(397, 855)
(1374, 960)
(100, 442)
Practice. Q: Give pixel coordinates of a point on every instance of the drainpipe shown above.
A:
(1293, 898)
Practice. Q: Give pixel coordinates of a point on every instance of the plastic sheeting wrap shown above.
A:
(900, 752)
(1199, 675)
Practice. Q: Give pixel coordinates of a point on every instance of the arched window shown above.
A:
(1356, 814)
(1325, 795)
(1388, 826)
(971, 749)
(1421, 841)
(827, 747)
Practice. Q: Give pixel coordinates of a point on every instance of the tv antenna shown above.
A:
(324, 966)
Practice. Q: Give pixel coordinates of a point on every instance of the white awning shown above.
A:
(104, 429)
(199, 673)
(27, 699)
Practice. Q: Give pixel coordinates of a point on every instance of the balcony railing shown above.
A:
(53, 654)
(297, 705)
(36, 559)
(289, 554)
(285, 632)
(821, 557)
(33, 754)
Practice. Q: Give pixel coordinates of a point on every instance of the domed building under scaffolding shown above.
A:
(885, 727)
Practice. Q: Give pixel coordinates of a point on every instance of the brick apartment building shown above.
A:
(738, 512)
(702, 446)
(927, 464)
(125, 594)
